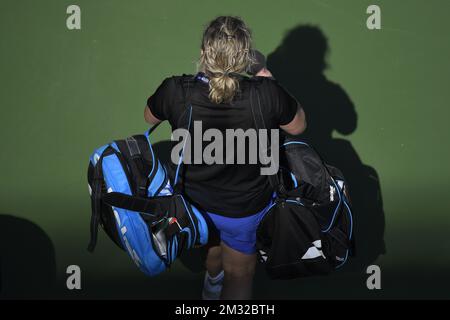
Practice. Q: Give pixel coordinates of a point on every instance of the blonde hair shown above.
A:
(226, 51)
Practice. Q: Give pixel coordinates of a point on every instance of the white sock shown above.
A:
(216, 279)
(212, 286)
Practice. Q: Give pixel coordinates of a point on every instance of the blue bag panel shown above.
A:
(133, 230)
(97, 154)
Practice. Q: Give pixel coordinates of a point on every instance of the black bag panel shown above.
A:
(184, 214)
(324, 213)
(335, 172)
(107, 219)
(338, 238)
(139, 161)
(148, 156)
(298, 189)
(90, 175)
(300, 269)
(307, 167)
(319, 189)
(284, 236)
(336, 225)
(336, 246)
(177, 216)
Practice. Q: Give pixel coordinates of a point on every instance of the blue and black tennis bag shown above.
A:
(135, 203)
(309, 229)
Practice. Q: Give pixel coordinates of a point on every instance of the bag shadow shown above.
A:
(27, 260)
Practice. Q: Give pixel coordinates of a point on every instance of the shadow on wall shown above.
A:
(27, 260)
(299, 64)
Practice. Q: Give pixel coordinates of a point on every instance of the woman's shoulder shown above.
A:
(174, 83)
(179, 79)
(266, 83)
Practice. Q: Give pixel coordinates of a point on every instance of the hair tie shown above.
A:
(230, 36)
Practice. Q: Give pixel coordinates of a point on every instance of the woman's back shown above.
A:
(222, 167)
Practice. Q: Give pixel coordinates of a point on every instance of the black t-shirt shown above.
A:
(233, 190)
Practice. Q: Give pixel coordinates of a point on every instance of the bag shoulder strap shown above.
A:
(258, 118)
(96, 199)
(185, 120)
(135, 157)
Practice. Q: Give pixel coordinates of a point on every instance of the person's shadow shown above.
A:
(299, 64)
(27, 260)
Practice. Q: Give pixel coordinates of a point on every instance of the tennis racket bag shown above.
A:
(134, 202)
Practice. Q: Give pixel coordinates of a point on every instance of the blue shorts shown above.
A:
(239, 233)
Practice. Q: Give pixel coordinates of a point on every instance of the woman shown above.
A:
(234, 197)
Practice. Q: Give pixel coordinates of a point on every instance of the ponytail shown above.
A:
(226, 50)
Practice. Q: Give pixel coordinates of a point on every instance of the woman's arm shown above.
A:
(149, 117)
(297, 125)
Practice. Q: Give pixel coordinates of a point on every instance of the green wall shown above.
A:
(65, 92)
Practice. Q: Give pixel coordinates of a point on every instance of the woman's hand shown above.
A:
(264, 72)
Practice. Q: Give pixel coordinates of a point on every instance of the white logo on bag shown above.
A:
(263, 255)
(314, 251)
(332, 192)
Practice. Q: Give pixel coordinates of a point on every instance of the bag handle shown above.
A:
(178, 180)
(96, 203)
(177, 185)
